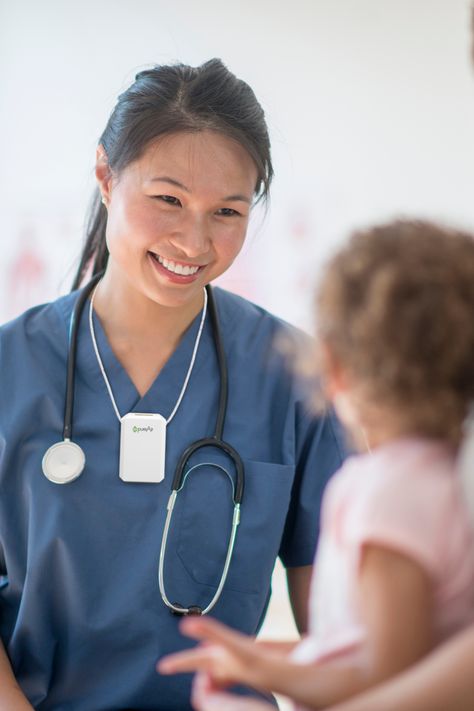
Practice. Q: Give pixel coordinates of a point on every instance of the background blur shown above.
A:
(370, 105)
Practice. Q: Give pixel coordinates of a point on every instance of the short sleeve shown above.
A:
(320, 451)
(403, 514)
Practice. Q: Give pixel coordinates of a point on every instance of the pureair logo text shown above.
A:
(142, 429)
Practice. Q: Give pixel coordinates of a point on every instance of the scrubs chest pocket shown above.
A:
(205, 521)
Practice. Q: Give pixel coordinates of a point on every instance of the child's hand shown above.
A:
(207, 697)
(227, 656)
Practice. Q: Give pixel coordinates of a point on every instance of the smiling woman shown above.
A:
(84, 616)
(177, 217)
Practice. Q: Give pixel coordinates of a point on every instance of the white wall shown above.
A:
(370, 105)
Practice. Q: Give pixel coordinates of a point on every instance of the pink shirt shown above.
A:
(405, 496)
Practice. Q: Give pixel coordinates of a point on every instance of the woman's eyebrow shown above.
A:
(241, 198)
(177, 184)
(171, 181)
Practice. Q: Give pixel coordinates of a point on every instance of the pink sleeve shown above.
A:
(403, 513)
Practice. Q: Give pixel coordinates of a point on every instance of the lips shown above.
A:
(175, 270)
(176, 267)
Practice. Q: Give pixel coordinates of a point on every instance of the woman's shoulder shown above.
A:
(243, 317)
(38, 324)
(267, 346)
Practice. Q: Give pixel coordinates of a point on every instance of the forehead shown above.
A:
(198, 160)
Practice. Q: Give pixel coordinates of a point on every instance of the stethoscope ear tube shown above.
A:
(216, 440)
(222, 363)
(217, 444)
(180, 474)
(71, 357)
(64, 461)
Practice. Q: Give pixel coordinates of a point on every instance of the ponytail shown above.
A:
(95, 253)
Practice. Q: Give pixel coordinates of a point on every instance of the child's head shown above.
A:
(395, 324)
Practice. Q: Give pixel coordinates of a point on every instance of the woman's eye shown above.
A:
(169, 199)
(227, 212)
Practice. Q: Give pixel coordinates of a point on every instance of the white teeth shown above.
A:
(177, 268)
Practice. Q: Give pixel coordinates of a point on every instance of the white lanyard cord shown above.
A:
(104, 374)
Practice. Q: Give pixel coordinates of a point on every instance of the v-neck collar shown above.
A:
(163, 393)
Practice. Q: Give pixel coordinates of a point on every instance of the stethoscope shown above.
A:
(64, 461)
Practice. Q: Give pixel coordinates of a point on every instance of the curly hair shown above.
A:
(395, 309)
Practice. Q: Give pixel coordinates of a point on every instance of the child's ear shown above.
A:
(336, 379)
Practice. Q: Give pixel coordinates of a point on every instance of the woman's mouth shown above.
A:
(184, 272)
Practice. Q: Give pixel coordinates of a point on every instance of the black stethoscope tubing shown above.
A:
(215, 441)
(72, 353)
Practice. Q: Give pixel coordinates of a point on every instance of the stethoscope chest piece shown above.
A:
(63, 462)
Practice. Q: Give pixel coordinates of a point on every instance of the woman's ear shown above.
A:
(103, 174)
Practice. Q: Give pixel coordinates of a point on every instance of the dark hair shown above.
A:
(169, 99)
(396, 310)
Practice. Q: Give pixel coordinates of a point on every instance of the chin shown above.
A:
(175, 298)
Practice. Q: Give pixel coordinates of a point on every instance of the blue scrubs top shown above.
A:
(81, 615)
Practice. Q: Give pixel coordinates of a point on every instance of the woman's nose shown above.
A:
(193, 237)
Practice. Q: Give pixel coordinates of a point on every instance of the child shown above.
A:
(395, 565)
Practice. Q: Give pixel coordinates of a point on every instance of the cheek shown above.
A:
(229, 242)
(130, 227)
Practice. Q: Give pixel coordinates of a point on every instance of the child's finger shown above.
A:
(203, 687)
(204, 683)
(216, 702)
(207, 696)
(200, 658)
(214, 631)
(220, 701)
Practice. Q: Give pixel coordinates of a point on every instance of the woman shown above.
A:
(87, 597)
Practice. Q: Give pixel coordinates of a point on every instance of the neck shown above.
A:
(379, 429)
(369, 425)
(128, 314)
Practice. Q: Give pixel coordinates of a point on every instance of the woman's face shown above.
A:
(177, 217)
